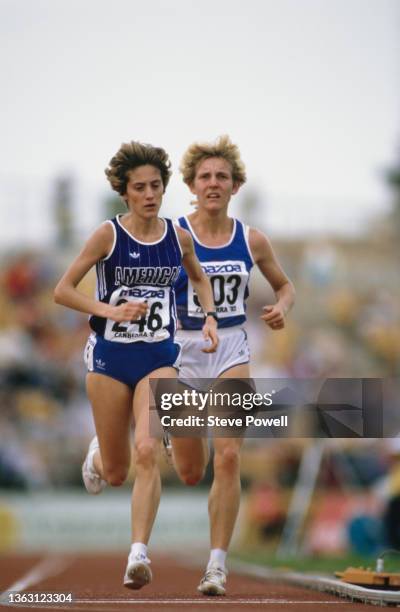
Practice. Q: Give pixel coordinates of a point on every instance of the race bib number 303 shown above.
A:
(228, 280)
(149, 328)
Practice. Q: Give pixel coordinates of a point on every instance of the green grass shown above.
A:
(316, 564)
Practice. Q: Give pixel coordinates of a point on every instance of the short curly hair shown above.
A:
(132, 155)
(222, 147)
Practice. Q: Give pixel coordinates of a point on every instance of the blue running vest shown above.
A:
(228, 268)
(143, 272)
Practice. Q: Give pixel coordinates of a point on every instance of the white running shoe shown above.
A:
(213, 581)
(138, 572)
(93, 482)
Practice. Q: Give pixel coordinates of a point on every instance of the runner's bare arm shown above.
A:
(201, 285)
(66, 293)
(264, 256)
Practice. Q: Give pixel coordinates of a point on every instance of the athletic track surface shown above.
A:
(96, 584)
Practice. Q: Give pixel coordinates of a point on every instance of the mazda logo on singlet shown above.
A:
(220, 268)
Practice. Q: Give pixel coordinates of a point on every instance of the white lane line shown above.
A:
(46, 568)
(202, 601)
(72, 607)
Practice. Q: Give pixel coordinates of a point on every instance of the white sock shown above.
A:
(217, 557)
(138, 548)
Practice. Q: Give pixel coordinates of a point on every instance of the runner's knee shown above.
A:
(145, 454)
(115, 475)
(189, 473)
(227, 461)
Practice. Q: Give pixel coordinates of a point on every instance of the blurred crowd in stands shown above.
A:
(44, 417)
(336, 329)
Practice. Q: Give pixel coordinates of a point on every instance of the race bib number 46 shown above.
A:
(228, 280)
(149, 328)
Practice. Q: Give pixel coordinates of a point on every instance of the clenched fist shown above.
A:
(274, 316)
(128, 311)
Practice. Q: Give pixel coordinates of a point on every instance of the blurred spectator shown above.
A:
(21, 277)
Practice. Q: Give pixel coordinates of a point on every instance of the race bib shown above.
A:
(149, 328)
(228, 280)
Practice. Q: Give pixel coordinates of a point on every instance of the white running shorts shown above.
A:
(233, 349)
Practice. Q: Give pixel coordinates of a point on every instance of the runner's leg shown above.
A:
(190, 456)
(111, 403)
(147, 488)
(224, 497)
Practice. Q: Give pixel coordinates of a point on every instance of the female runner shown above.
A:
(227, 250)
(138, 256)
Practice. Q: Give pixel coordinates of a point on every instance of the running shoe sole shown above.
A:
(137, 575)
(210, 588)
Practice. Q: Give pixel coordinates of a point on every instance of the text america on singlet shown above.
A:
(165, 275)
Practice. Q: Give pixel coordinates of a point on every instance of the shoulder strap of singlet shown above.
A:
(243, 230)
(183, 223)
(114, 225)
(171, 223)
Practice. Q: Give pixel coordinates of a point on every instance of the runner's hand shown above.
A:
(210, 335)
(128, 311)
(274, 316)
